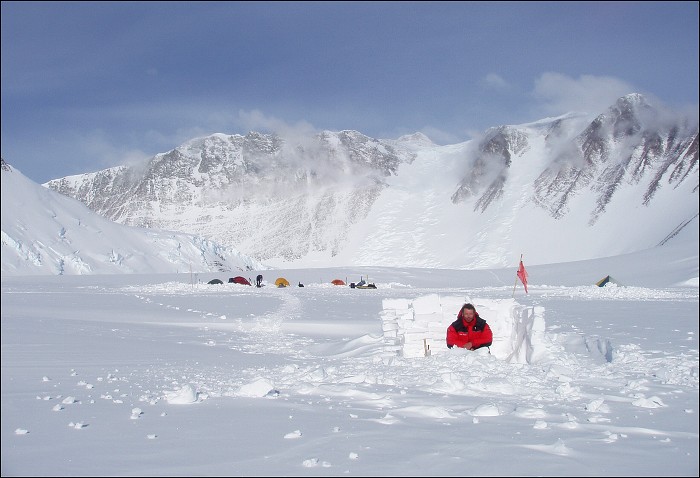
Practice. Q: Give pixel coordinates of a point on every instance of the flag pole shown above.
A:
(516, 276)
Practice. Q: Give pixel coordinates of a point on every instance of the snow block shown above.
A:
(418, 327)
(396, 304)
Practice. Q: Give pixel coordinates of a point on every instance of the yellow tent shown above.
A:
(282, 282)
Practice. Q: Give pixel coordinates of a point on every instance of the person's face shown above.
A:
(468, 314)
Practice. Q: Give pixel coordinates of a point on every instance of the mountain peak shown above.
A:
(624, 118)
(633, 99)
(416, 138)
(630, 106)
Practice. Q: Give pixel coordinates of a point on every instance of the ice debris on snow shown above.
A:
(258, 388)
(313, 462)
(187, 394)
(485, 410)
(651, 402)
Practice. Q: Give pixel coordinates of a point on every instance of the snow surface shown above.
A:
(44, 232)
(166, 375)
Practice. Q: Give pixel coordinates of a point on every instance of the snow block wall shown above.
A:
(418, 327)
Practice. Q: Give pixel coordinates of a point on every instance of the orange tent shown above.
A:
(337, 282)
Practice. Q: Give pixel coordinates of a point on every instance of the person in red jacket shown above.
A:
(469, 331)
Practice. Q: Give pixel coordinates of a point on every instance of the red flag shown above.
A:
(522, 275)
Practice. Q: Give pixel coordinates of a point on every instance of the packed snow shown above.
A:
(167, 375)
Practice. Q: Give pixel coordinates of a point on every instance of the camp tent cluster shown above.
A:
(283, 282)
(362, 284)
(232, 280)
(280, 282)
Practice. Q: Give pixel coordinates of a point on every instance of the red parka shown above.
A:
(477, 332)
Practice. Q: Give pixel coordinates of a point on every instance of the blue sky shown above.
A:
(89, 85)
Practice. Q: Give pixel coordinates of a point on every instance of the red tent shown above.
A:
(337, 282)
(239, 280)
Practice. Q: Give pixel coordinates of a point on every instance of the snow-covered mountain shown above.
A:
(560, 189)
(44, 232)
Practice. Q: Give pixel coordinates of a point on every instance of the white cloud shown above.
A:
(494, 81)
(559, 94)
(100, 151)
(440, 136)
(256, 120)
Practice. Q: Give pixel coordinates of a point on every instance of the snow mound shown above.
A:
(187, 394)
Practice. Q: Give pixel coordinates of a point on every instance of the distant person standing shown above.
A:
(258, 281)
(469, 331)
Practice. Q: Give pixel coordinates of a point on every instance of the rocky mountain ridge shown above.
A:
(310, 200)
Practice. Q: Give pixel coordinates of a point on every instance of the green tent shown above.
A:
(602, 282)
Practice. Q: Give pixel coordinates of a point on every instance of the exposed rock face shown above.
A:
(625, 144)
(277, 197)
(288, 198)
